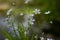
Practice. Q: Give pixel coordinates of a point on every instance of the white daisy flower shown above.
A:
(9, 11)
(47, 12)
(37, 11)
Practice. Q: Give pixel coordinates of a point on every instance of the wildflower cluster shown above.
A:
(20, 29)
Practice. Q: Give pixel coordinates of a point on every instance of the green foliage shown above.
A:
(7, 35)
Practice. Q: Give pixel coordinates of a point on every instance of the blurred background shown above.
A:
(42, 15)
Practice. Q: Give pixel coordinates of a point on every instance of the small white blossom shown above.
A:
(6, 39)
(9, 11)
(37, 11)
(21, 14)
(32, 15)
(27, 1)
(42, 38)
(35, 36)
(47, 12)
(51, 22)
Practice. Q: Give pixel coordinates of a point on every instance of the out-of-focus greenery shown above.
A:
(21, 32)
(19, 6)
(44, 5)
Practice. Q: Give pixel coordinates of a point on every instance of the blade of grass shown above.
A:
(7, 35)
(21, 31)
